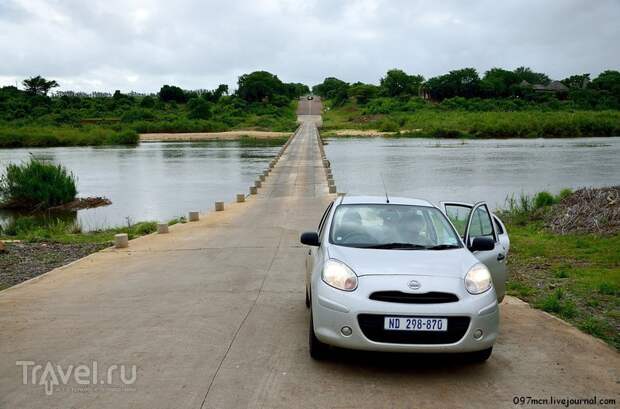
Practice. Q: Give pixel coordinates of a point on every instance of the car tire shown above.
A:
(480, 356)
(318, 349)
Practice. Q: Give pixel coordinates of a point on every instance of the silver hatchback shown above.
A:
(397, 274)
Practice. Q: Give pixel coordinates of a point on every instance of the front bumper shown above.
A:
(333, 309)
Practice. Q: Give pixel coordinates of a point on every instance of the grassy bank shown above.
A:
(437, 122)
(573, 276)
(120, 124)
(32, 229)
(46, 136)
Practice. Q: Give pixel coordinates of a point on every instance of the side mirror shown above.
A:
(482, 244)
(310, 238)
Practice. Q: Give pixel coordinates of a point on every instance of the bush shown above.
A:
(543, 199)
(37, 185)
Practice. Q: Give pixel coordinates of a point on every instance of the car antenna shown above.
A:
(387, 198)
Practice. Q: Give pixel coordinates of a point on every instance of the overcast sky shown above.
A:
(103, 45)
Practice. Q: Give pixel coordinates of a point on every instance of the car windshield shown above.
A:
(388, 226)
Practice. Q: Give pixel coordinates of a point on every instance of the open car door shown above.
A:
(475, 220)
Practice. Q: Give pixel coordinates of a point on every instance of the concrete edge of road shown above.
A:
(111, 249)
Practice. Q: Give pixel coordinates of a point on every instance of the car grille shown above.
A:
(372, 327)
(408, 298)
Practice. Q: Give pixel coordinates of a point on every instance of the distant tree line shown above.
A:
(256, 92)
(602, 92)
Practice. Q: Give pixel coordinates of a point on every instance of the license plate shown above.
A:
(415, 324)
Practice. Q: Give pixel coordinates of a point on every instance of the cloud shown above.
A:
(140, 45)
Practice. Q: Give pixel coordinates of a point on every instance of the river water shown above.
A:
(161, 181)
(471, 170)
(153, 181)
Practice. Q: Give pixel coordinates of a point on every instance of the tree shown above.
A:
(607, 81)
(296, 89)
(330, 87)
(498, 82)
(259, 86)
(39, 85)
(169, 93)
(526, 74)
(199, 108)
(363, 93)
(458, 83)
(398, 83)
(577, 81)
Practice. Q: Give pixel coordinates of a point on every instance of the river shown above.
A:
(153, 181)
(471, 170)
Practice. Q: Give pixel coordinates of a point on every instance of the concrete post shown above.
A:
(219, 206)
(193, 216)
(240, 198)
(332, 189)
(262, 178)
(326, 163)
(258, 183)
(253, 190)
(266, 173)
(162, 228)
(121, 241)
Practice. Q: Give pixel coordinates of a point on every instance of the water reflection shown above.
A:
(472, 170)
(8, 218)
(153, 181)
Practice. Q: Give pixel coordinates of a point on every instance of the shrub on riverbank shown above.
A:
(36, 185)
(575, 276)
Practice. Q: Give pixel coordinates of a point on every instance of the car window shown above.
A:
(480, 223)
(371, 225)
(458, 215)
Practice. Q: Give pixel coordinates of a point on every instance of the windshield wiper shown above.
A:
(443, 247)
(396, 246)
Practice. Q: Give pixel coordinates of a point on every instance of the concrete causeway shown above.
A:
(212, 315)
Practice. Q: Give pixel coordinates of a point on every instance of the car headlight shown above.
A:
(478, 279)
(339, 275)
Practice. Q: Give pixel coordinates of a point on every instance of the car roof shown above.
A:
(347, 199)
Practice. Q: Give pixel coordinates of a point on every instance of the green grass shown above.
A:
(576, 277)
(96, 123)
(434, 122)
(32, 229)
(46, 136)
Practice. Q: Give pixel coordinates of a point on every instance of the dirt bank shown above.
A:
(210, 136)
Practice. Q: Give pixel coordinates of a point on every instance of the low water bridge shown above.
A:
(212, 315)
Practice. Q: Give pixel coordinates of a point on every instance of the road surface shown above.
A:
(213, 316)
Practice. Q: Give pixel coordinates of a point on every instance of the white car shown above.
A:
(395, 274)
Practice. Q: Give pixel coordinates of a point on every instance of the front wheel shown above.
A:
(480, 356)
(318, 349)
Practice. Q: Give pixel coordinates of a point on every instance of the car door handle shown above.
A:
(501, 256)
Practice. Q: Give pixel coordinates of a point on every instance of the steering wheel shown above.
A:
(361, 238)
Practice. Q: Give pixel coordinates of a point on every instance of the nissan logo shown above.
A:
(414, 285)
